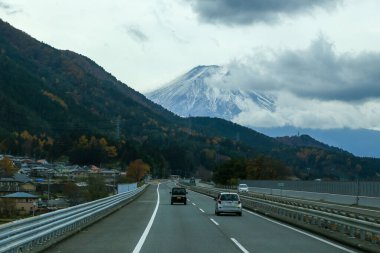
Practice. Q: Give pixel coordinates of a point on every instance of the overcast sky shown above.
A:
(320, 58)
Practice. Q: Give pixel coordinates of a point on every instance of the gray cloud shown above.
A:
(4, 6)
(9, 9)
(319, 72)
(316, 72)
(136, 34)
(243, 12)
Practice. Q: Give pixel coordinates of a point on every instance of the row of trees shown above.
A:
(25, 143)
(184, 152)
(92, 150)
(261, 167)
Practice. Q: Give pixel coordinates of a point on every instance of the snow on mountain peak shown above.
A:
(202, 92)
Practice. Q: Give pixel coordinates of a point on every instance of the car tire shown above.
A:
(185, 203)
(239, 213)
(171, 203)
(217, 213)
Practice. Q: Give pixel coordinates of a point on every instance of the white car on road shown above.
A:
(228, 202)
(242, 188)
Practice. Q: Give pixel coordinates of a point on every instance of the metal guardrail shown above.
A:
(353, 188)
(352, 212)
(344, 210)
(37, 233)
(363, 234)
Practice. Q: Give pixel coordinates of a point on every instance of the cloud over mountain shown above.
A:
(314, 87)
(243, 12)
(316, 72)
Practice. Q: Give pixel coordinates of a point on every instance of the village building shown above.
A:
(20, 202)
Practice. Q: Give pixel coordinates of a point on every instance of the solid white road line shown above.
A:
(147, 229)
(201, 210)
(194, 204)
(216, 223)
(239, 245)
(303, 232)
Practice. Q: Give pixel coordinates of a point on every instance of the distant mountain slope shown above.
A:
(192, 94)
(58, 104)
(303, 141)
(361, 142)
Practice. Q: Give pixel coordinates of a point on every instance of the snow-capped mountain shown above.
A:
(196, 94)
(202, 92)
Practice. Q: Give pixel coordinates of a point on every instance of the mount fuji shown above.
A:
(201, 92)
(195, 94)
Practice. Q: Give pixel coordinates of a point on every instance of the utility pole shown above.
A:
(114, 182)
(118, 128)
(48, 189)
(190, 126)
(357, 191)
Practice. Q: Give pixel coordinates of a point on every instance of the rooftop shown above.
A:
(20, 195)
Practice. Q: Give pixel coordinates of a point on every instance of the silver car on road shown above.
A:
(242, 188)
(228, 202)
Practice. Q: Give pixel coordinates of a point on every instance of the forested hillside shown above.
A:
(60, 105)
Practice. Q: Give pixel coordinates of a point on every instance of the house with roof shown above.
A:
(20, 202)
(17, 183)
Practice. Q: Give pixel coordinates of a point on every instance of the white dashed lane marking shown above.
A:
(239, 245)
(216, 223)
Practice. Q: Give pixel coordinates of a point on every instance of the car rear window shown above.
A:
(229, 197)
(178, 191)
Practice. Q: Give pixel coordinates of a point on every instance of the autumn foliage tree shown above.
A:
(137, 170)
(92, 150)
(8, 207)
(7, 168)
(25, 143)
(96, 188)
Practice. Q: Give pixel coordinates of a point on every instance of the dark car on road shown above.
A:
(178, 195)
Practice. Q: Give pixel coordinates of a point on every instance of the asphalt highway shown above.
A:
(146, 225)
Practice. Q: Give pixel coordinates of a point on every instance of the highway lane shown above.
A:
(118, 232)
(190, 228)
(260, 234)
(195, 228)
(184, 228)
